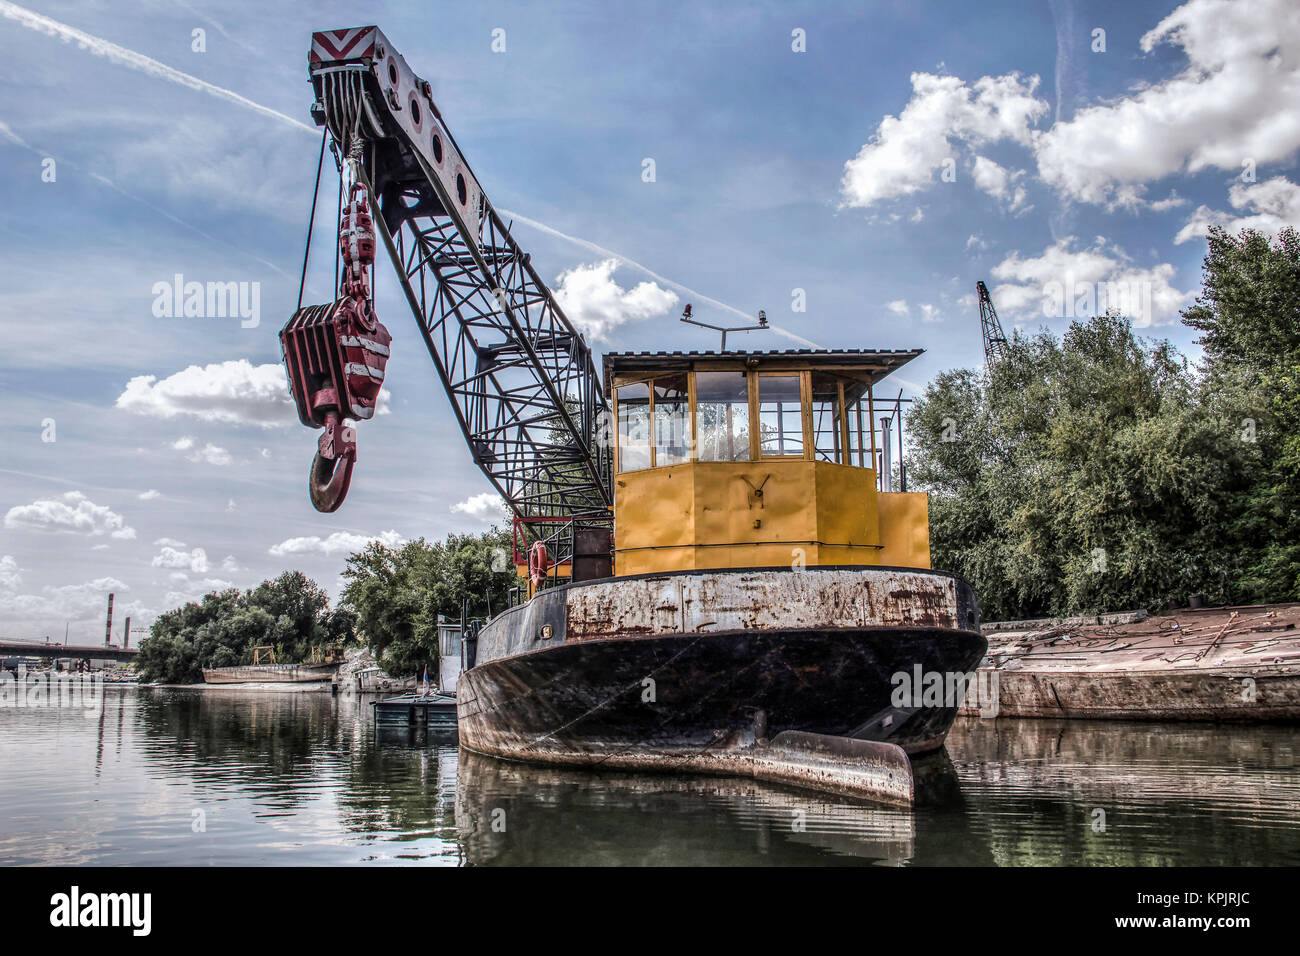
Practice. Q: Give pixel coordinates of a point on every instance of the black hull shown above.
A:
(654, 701)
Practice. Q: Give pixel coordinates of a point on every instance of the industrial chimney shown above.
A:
(108, 630)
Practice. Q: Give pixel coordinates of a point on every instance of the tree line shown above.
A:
(291, 614)
(391, 601)
(1101, 471)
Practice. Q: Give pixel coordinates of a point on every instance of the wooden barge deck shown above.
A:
(1228, 663)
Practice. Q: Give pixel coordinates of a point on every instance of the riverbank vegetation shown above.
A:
(398, 593)
(1101, 471)
(390, 602)
(290, 614)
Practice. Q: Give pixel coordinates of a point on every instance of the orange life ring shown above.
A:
(538, 563)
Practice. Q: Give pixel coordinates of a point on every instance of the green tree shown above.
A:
(290, 612)
(398, 593)
(1080, 475)
(1248, 314)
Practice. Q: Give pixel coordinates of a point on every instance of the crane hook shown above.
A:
(336, 354)
(328, 482)
(331, 467)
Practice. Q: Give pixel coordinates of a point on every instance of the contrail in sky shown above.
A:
(7, 131)
(698, 296)
(136, 61)
(151, 67)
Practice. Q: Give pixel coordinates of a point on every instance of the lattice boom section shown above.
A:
(504, 377)
(521, 379)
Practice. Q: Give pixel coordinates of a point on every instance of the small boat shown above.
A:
(270, 674)
(373, 680)
(434, 711)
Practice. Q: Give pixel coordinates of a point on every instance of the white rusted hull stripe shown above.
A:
(761, 600)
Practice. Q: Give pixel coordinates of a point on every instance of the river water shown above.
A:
(188, 777)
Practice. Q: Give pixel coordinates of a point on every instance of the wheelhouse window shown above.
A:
(857, 414)
(654, 423)
(743, 415)
(780, 415)
(634, 426)
(722, 415)
(672, 420)
(828, 418)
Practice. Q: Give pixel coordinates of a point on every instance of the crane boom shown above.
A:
(521, 379)
(995, 341)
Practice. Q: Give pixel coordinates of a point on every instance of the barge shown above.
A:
(270, 674)
(732, 584)
(700, 650)
(1211, 664)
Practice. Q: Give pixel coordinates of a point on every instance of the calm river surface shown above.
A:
(181, 777)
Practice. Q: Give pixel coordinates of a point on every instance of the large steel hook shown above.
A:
(328, 482)
(336, 353)
(331, 468)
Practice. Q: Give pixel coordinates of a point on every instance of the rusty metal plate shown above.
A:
(761, 600)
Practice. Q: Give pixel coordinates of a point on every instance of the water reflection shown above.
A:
(1175, 793)
(293, 778)
(517, 814)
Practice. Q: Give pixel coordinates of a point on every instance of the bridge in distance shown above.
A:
(102, 652)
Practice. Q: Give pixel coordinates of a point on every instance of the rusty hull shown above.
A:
(706, 671)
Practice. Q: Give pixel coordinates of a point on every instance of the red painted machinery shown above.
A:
(521, 379)
(336, 354)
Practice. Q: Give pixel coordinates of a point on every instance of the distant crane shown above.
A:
(995, 341)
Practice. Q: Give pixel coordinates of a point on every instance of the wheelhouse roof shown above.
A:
(876, 362)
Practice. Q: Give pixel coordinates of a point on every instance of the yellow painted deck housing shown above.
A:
(797, 490)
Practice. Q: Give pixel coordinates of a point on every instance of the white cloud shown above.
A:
(1235, 101)
(596, 304)
(149, 495)
(340, 542)
(72, 513)
(898, 306)
(977, 242)
(209, 454)
(168, 542)
(44, 611)
(229, 565)
(905, 151)
(929, 313)
(235, 392)
(1172, 201)
(487, 508)
(1267, 208)
(195, 561)
(1085, 282)
(186, 589)
(10, 574)
(998, 181)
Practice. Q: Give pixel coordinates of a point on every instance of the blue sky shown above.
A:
(906, 151)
